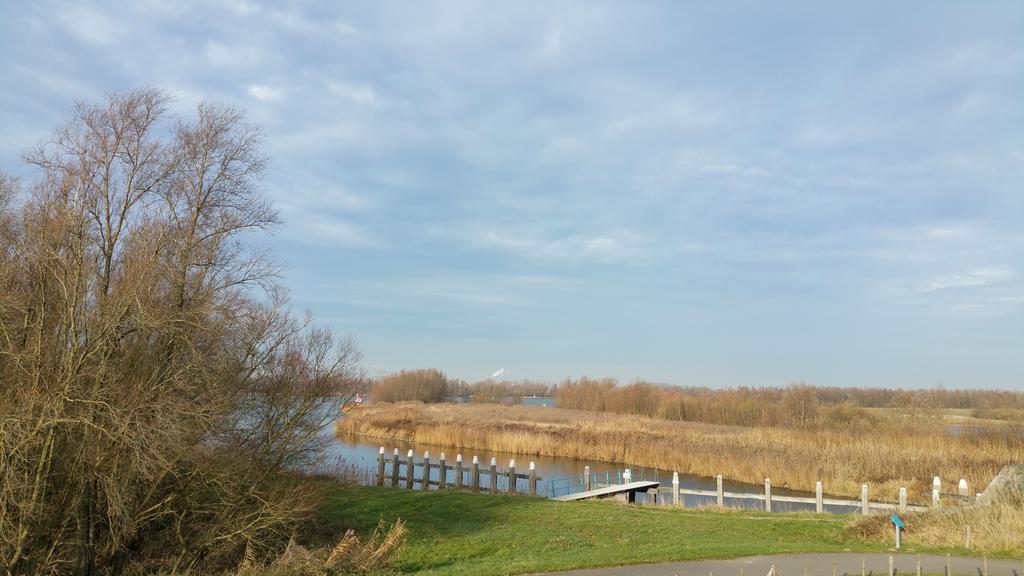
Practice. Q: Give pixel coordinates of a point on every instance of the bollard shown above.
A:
(380, 467)
(903, 499)
(891, 571)
(410, 469)
(494, 475)
(586, 479)
(767, 495)
(864, 506)
(442, 475)
(720, 492)
(963, 492)
(458, 471)
(819, 499)
(394, 470)
(533, 479)
(936, 497)
(511, 476)
(426, 471)
(476, 475)
(676, 496)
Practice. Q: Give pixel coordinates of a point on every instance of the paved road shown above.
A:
(815, 564)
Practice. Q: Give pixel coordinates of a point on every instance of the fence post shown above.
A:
(962, 490)
(442, 476)
(676, 496)
(936, 497)
(533, 479)
(903, 500)
(586, 479)
(767, 495)
(394, 470)
(512, 476)
(494, 475)
(426, 470)
(864, 506)
(458, 471)
(720, 496)
(410, 468)
(475, 472)
(380, 467)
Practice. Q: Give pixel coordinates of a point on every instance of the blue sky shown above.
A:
(708, 193)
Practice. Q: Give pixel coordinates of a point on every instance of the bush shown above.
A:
(422, 385)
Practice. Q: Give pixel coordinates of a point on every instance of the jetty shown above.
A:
(629, 489)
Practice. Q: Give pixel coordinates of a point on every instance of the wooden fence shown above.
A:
(864, 504)
(395, 472)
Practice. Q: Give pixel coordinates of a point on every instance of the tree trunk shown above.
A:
(87, 531)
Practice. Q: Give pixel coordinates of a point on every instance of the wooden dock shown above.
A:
(629, 489)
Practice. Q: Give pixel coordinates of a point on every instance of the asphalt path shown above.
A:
(843, 564)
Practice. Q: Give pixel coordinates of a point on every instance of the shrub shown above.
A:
(423, 385)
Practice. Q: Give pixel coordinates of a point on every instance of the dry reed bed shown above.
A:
(894, 455)
(996, 529)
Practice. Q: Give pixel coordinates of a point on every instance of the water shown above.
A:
(558, 475)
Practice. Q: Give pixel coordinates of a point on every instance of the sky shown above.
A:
(696, 193)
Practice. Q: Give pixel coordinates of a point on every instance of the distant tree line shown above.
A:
(798, 405)
(432, 385)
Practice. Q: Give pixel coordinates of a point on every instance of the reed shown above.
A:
(888, 455)
(997, 529)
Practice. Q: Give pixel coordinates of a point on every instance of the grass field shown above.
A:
(471, 534)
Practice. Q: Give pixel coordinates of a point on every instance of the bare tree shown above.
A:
(153, 386)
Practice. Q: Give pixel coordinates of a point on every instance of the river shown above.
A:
(558, 475)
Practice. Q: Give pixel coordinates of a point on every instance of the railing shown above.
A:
(395, 472)
(589, 481)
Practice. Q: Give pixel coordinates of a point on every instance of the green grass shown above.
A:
(469, 534)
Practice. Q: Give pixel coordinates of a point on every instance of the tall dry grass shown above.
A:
(350, 555)
(892, 454)
(997, 529)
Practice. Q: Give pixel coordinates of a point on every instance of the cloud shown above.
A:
(89, 25)
(319, 230)
(610, 247)
(265, 93)
(970, 279)
(361, 94)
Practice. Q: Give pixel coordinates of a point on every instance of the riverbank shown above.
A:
(471, 534)
(886, 458)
